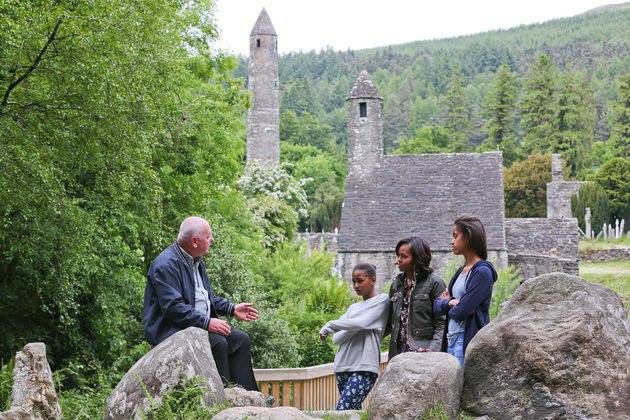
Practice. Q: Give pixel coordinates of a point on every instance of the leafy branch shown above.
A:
(31, 69)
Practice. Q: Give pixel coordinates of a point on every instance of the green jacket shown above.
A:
(424, 324)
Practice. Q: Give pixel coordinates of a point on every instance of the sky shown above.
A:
(356, 24)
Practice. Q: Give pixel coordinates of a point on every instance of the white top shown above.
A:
(358, 333)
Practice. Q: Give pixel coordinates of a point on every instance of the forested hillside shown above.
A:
(548, 87)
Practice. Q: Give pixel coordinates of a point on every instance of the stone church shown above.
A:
(391, 197)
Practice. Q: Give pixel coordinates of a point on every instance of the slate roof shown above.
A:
(263, 25)
(364, 88)
(422, 195)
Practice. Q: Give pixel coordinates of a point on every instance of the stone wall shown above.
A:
(534, 265)
(537, 246)
(611, 254)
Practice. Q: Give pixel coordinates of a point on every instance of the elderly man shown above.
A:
(178, 295)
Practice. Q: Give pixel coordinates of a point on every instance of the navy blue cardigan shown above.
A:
(169, 298)
(474, 304)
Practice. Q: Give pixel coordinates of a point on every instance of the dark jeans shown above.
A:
(232, 355)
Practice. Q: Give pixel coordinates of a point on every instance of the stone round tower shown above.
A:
(263, 119)
(365, 127)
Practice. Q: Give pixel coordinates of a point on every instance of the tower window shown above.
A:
(258, 43)
(362, 109)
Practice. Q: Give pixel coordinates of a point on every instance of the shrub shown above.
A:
(330, 296)
(273, 343)
(305, 325)
(289, 271)
(507, 282)
(526, 187)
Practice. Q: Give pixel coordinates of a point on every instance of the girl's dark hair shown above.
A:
(367, 268)
(474, 232)
(420, 252)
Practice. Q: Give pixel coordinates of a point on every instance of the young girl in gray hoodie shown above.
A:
(358, 334)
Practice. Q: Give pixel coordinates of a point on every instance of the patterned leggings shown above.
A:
(353, 388)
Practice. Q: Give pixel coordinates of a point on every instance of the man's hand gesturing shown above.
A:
(245, 312)
(219, 326)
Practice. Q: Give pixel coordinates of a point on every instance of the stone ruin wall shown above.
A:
(559, 191)
(559, 198)
(538, 246)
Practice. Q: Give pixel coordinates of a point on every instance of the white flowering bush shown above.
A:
(276, 199)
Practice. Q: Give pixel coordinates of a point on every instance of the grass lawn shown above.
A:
(623, 242)
(612, 274)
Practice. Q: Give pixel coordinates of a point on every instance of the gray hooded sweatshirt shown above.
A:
(358, 333)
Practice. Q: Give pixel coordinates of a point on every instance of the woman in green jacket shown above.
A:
(413, 324)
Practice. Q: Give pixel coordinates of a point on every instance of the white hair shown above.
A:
(192, 226)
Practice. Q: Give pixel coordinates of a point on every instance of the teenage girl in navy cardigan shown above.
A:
(467, 299)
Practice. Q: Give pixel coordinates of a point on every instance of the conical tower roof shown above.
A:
(263, 25)
(364, 88)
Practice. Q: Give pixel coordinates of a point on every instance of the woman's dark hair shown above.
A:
(420, 252)
(367, 268)
(474, 232)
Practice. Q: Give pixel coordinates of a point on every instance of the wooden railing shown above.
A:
(312, 388)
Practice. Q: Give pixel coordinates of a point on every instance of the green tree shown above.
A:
(424, 112)
(115, 122)
(620, 137)
(500, 110)
(526, 187)
(613, 178)
(427, 140)
(300, 97)
(323, 174)
(576, 121)
(456, 111)
(538, 107)
(306, 129)
(324, 189)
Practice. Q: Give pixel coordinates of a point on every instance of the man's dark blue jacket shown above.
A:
(169, 297)
(474, 305)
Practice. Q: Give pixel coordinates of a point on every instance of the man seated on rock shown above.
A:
(178, 295)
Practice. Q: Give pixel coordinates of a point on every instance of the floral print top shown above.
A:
(403, 334)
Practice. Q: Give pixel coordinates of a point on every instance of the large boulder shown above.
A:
(560, 348)
(169, 365)
(261, 413)
(33, 394)
(239, 397)
(415, 383)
